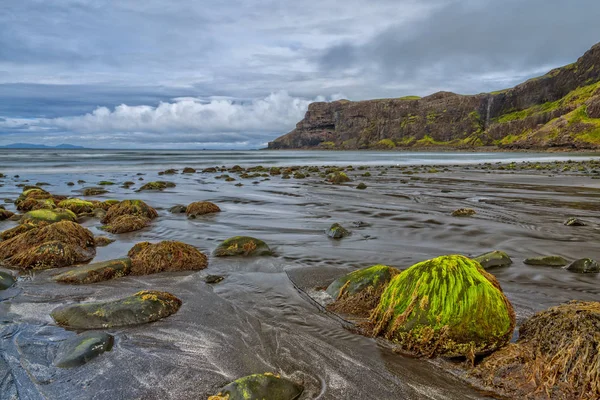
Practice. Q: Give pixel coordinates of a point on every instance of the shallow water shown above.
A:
(260, 317)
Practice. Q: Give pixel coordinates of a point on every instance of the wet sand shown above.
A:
(261, 318)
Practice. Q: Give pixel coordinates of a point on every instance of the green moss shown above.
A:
(445, 306)
(409, 98)
(387, 143)
(431, 117)
(78, 206)
(50, 216)
(327, 145)
(429, 141)
(359, 280)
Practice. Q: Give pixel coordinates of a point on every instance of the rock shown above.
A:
(201, 208)
(142, 307)
(359, 292)
(170, 171)
(5, 214)
(189, 170)
(260, 387)
(584, 266)
(34, 204)
(242, 246)
(51, 246)
(96, 272)
(560, 343)
(102, 241)
(448, 306)
(94, 191)
(126, 223)
(157, 185)
(70, 183)
(212, 279)
(492, 259)
(210, 170)
(129, 207)
(17, 230)
(299, 175)
(166, 256)
(463, 212)
(338, 177)
(50, 216)
(336, 231)
(550, 261)
(178, 209)
(574, 222)
(6, 280)
(361, 186)
(106, 183)
(82, 348)
(77, 206)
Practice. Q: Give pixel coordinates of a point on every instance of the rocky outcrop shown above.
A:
(561, 108)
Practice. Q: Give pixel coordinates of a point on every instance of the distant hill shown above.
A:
(40, 146)
(558, 110)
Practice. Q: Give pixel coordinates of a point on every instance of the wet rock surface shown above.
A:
(82, 348)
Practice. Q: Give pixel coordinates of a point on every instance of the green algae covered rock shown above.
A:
(6, 280)
(260, 387)
(82, 348)
(584, 266)
(550, 261)
(242, 246)
(166, 256)
(15, 231)
(142, 307)
(463, 212)
(336, 231)
(5, 214)
(50, 216)
(94, 191)
(338, 177)
(494, 258)
(129, 207)
(359, 292)
(201, 208)
(102, 241)
(448, 306)
(96, 272)
(157, 185)
(126, 223)
(78, 206)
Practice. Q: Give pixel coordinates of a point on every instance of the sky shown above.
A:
(235, 74)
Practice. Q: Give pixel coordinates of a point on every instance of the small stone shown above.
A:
(102, 241)
(494, 258)
(584, 266)
(575, 222)
(242, 246)
(82, 348)
(6, 280)
(211, 279)
(463, 212)
(361, 186)
(551, 261)
(178, 209)
(336, 231)
(260, 386)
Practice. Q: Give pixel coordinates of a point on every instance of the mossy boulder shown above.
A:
(77, 206)
(126, 223)
(82, 348)
(338, 177)
(96, 272)
(556, 356)
(493, 259)
(166, 256)
(189, 170)
(51, 246)
(94, 191)
(260, 387)
(102, 241)
(142, 307)
(336, 231)
(17, 230)
(157, 185)
(584, 266)
(549, 261)
(50, 216)
(129, 207)
(6, 280)
(35, 193)
(463, 212)
(35, 204)
(359, 292)
(242, 246)
(447, 306)
(200, 208)
(5, 214)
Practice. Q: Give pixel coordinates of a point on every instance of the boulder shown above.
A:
(463, 212)
(338, 177)
(259, 387)
(82, 348)
(447, 306)
(550, 261)
(77, 206)
(5, 214)
(102, 241)
(336, 231)
(178, 209)
(94, 191)
(6, 280)
(50, 216)
(96, 272)
(142, 307)
(242, 246)
(494, 258)
(200, 208)
(129, 207)
(166, 256)
(584, 266)
(126, 223)
(157, 185)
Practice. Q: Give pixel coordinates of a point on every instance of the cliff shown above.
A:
(559, 109)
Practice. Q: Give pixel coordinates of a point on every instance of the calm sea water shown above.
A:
(56, 161)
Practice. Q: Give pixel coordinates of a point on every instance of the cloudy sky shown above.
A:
(238, 73)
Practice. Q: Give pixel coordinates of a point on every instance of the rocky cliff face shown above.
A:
(559, 109)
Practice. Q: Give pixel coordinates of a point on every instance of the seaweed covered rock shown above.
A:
(129, 207)
(447, 306)
(359, 292)
(556, 356)
(178, 209)
(17, 230)
(94, 191)
(336, 231)
(584, 266)
(6, 280)
(259, 387)
(50, 216)
(35, 204)
(338, 177)
(463, 212)
(82, 348)
(51, 246)
(126, 223)
(77, 206)
(189, 170)
(31, 193)
(157, 185)
(5, 214)
(200, 208)
(550, 261)
(142, 307)
(242, 246)
(574, 222)
(96, 272)
(148, 258)
(493, 259)
(102, 241)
